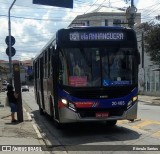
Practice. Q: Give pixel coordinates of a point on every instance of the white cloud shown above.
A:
(149, 9)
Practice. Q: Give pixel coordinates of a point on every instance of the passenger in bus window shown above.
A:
(115, 65)
(105, 67)
(76, 70)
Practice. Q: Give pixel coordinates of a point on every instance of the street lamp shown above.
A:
(9, 31)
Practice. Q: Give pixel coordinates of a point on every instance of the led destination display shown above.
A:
(96, 36)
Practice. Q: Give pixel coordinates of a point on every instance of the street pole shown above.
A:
(130, 13)
(9, 31)
(132, 3)
(142, 50)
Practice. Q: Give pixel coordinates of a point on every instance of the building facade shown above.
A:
(26, 70)
(104, 16)
(149, 74)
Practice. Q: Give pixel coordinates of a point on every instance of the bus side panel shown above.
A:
(50, 96)
(41, 94)
(38, 73)
(46, 103)
(35, 81)
(55, 83)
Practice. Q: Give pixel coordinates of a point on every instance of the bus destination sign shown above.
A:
(96, 36)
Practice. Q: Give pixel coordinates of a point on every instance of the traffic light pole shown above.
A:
(9, 30)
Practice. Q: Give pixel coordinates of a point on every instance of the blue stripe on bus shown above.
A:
(103, 102)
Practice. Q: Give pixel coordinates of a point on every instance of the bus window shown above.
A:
(49, 63)
(82, 67)
(117, 67)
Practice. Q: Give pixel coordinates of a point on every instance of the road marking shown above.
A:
(145, 123)
(127, 121)
(139, 127)
(142, 124)
(135, 129)
(122, 121)
(157, 134)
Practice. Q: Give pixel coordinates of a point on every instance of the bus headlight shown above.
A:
(68, 104)
(135, 98)
(64, 101)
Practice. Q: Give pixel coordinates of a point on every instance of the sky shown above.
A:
(33, 25)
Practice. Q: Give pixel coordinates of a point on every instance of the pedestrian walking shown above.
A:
(12, 99)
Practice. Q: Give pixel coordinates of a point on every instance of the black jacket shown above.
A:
(11, 97)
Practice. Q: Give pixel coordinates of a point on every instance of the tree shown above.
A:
(2, 69)
(152, 41)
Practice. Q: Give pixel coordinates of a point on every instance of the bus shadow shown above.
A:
(84, 133)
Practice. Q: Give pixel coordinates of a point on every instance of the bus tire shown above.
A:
(111, 123)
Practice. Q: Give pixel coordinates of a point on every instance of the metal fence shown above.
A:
(149, 80)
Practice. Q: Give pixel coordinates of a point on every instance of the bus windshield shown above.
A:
(96, 67)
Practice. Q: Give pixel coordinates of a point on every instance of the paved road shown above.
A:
(149, 111)
(144, 131)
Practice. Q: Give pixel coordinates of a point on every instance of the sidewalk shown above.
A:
(19, 134)
(149, 99)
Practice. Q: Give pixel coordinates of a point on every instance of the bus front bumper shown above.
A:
(66, 115)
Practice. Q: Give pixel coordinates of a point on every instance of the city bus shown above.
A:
(87, 74)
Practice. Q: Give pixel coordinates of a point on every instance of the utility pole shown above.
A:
(142, 50)
(10, 54)
(16, 72)
(130, 13)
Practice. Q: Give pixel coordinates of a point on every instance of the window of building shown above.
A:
(87, 23)
(104, 22)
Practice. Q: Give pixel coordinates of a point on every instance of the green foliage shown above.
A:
(152, 41)
(2, 69)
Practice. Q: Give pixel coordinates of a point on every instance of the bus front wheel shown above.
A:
(111, 122)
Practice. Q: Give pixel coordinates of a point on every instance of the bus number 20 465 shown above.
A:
(115, 103)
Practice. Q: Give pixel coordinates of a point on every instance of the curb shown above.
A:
(37, 131)
(33, 124)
